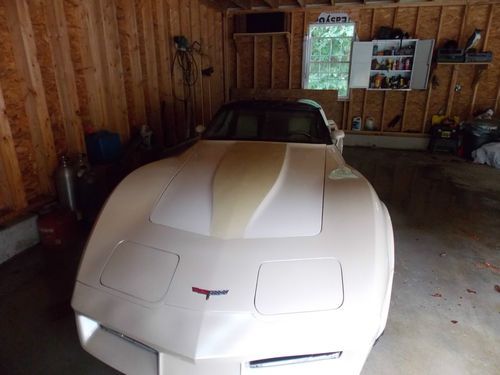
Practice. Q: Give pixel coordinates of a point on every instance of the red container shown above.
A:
(57, 228)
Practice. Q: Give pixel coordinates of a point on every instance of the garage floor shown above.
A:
(445, 314)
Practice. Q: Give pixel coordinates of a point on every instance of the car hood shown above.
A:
(229, 190)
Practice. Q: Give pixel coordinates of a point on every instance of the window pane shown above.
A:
(330, 47)
(332, 31)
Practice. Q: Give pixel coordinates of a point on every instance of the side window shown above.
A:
(327, 57)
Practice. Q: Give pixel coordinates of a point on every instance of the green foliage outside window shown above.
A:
(329, 57)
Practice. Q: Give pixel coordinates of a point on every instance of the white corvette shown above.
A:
(258, 251)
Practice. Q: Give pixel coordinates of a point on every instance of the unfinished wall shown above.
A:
(71, 65)
(256, 63)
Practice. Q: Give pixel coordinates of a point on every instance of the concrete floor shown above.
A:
(445, 312)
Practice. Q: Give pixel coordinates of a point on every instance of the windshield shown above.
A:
(267, 123)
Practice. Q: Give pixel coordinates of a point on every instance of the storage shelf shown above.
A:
(389, 133)
(464, 63)
(372, 89)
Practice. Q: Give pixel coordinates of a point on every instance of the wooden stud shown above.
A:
(372, 28)
(363, 108)
(164, 40)
(273, 60)
(255, 61)
(451, 92)
(189, 91)
(344, 114)
(9, 162)
(152, 84)
(57, 31)
(454, 76)
(177, 83)
(227, 61)
(429, 89)
(290, 51)
(115, 87)
(219, 60)
(24, 47)
(206, 46)
(197, 87)
(243, 4)
(407, 93)
(384, 106)
(92, 71)
(272, 3)
(136, 73)
(481, 69)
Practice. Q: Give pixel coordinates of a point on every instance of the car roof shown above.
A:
(299, 104)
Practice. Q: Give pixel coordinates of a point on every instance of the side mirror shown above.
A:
(199, 129)
(332, 125)
(338, 139)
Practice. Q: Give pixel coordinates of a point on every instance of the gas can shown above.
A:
(57, 228)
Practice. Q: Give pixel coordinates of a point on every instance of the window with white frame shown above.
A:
(327, 57)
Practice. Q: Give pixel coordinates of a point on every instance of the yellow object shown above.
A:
(438, 119)
(243, 179)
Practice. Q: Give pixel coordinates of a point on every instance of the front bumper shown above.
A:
(170, 341)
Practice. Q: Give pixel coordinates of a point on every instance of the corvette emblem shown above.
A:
(208, 293)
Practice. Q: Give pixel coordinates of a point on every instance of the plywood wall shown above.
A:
(71, 65)
(257, 63)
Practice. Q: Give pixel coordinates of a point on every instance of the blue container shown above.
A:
(103, 147)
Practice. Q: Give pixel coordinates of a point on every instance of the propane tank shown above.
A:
(65, 184)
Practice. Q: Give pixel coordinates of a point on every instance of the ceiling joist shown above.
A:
(243, 4)
(272, 3)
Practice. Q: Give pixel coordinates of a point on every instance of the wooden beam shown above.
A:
(9, 163)
(243, 4)
(254, 61)
(272, 3)
(456, 70)
(376, 4)
(152, 84)
(113, 67)
(197, 88)
(205, 43)
(479, 73)
(57, 30)
(429, 89)
(164, 39)
(21, 30)
(227, 61)
(273, 60)
(290, 51)
(92, 67)
(134, 52)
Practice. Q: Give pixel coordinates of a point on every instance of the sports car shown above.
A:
(257, 251)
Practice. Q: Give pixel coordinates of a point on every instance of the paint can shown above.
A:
(370, 123)
(356, 123)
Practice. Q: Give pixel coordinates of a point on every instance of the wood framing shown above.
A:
(152, 85)
(9, 163)
(21, 30)
(97, 65)
(136, 71)
(57, 30)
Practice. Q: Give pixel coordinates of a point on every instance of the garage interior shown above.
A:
(73, 71)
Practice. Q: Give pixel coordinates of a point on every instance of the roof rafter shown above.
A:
(272, 3)
(243, 4)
